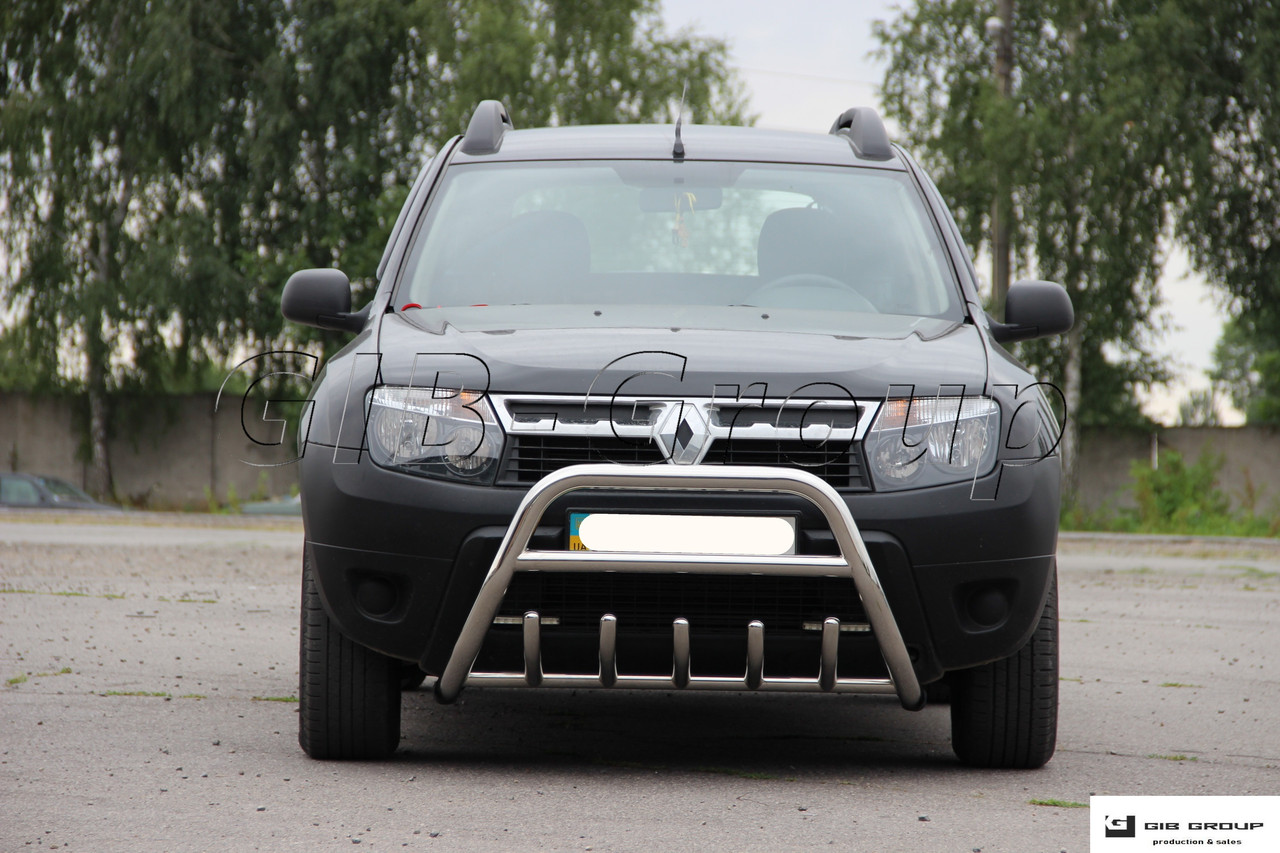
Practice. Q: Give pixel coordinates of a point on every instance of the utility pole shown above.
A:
(1000, 32)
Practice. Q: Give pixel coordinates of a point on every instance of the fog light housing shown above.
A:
(376, 597)
(988, 606)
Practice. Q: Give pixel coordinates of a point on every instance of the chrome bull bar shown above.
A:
(514, 555)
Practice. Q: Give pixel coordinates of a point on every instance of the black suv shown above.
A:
(678, 408)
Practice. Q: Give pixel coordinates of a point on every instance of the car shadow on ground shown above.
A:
(750, 735)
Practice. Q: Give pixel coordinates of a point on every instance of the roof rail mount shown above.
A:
(484, 132)
(865, 132)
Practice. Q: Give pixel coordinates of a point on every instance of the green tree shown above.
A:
(165, 164)
(1199, 409)
(360, 91)
(1211, 64)
(101, 106)
(1246, 367)
(1078, 150)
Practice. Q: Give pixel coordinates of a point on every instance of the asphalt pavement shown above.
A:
(148, 671)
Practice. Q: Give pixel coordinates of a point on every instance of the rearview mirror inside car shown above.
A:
(680, 198)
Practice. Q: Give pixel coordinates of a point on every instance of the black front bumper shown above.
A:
(399, 559)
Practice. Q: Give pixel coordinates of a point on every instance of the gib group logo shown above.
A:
(1241, 823)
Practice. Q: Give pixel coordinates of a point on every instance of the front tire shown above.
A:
(349, 695)
(1005, 714)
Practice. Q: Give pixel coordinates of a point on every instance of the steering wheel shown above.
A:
(817, 285)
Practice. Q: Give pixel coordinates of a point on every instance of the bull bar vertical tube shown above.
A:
(514, 554)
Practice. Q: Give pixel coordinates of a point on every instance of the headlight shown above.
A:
(437, 432)
(928, 441)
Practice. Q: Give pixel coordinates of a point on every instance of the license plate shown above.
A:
(736, 535)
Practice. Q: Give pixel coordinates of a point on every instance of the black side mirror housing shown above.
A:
(1034, 309)
(321, 298)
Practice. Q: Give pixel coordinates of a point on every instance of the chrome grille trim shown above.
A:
(548, 432)
(637, 417)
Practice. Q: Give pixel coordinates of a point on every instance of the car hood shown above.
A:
(572, 351)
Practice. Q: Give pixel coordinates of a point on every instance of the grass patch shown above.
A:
(1178, 497)
(137, 693)
(1177, 756)
(1253, 572)
(65, 593)
(275, 698)
(1179, 684)
(16, 680)
(1058, 804)
(193, 696)
(66, 670)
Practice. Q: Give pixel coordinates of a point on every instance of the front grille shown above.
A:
(839, 465)
(650, 602)
(532, 457)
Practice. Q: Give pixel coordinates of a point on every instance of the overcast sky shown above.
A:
(805, 62)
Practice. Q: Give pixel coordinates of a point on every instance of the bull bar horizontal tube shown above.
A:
(854, 562)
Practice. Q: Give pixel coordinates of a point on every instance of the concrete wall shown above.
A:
(172, 453)
(1250, 474)
(36, 436)
(164, 456)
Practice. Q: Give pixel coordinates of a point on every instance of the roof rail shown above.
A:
(484, 131)
(865, 131)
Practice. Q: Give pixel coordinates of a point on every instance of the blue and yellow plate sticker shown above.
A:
(575, 524)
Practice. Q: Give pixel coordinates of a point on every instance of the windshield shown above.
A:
(64, 491)
(662, 233)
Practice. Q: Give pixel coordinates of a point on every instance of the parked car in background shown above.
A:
(275, 506)
(39, 492)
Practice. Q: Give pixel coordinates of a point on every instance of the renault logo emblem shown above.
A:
(682, 432)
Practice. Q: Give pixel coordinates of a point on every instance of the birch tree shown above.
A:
(165, 164)
(1081, 153)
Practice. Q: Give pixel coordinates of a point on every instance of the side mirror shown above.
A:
(321, 298)
(1034, 309)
